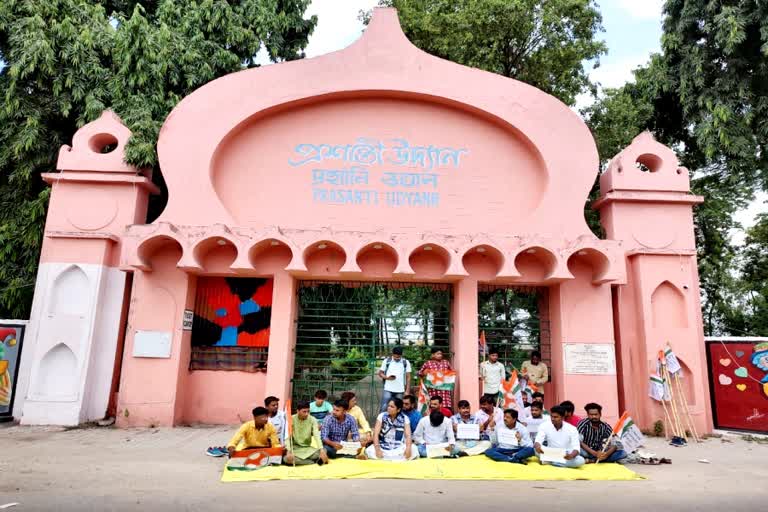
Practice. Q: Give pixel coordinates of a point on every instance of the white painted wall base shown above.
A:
(69, 352)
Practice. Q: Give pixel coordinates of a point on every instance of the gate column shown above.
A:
(464, 341)
(282, 338)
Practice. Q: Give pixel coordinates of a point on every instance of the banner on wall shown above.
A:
(231, 324)
(738, 379)
(11, 336)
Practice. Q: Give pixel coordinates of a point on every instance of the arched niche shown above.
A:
(324, 258)
(215, 254)
(430, 261)
(270, 256)
(377, 259)
(535, 264)
(71, 294)
(57, 375)
(483, 262)
(668, 307)
(160, 249)
(589, 261)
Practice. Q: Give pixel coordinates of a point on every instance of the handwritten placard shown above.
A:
(468, 431)
(507, 437)
(373, 172)
(589, 358)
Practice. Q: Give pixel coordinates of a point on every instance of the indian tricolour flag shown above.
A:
(630, 436)
(512, 393)
(656, 387)
(673, 365)
(423, 398)
(443, 380)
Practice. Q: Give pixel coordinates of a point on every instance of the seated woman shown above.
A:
(392, 435)
(356, 412)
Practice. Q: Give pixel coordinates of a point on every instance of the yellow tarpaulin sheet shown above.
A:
(466, 468)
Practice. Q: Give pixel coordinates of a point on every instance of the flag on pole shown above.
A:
(673, 365)
(528, 389)
(483, 345)
(423, 398)
(441, 380)
(288, 425)
(627, 432)
(511, 393)
(656, 388)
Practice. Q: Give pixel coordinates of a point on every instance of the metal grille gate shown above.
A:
(346, 329)
(515, 320)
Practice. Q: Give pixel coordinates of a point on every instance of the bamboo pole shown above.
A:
(688, 415)
(675, 414)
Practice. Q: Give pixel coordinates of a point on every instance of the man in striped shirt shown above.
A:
(594, 434)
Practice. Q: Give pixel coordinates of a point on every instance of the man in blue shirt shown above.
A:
(337, 427)
(511, 441)
(409, 409)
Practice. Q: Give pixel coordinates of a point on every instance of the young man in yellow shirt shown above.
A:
(535, 370)
(259, 433)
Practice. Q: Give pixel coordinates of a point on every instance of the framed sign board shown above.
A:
(589, 358)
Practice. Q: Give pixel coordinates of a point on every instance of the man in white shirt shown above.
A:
(276, 416)
(488, 417)
(395, 371)
(511, 441)
(492, 374)
(535, 419)
(435, 429)
(558, 434)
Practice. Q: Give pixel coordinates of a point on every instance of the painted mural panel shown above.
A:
(231, 324)
(739, 382)
(10, 352)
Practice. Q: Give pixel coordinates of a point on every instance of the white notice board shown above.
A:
(152, 344)
(589, 358)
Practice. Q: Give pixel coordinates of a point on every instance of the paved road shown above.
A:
(152, 469)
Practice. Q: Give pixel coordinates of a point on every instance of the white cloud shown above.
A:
(642, 9)
(338, 25)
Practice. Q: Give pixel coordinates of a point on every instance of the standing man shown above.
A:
(300, 450)
(276, 416)
(534, 370)
(395, 371)
(594, 434)
(492, 374)
(558, 434)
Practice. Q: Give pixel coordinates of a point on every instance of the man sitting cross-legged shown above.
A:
(464, 417)
(488, 417)
(304, 446)
(258, 433)
(435, 429)
(558, 434)
(337, 427)
(594, 434)
(512, 442)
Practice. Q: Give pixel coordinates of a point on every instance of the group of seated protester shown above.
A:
(321, 431)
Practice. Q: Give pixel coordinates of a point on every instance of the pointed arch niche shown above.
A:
(57, 374)
(71, 293)
(668, 307)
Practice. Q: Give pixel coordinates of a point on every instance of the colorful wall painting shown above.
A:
(10, 350)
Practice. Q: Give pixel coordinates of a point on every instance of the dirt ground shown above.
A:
(44, 468)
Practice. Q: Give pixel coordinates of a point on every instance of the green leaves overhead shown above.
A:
(68, 60)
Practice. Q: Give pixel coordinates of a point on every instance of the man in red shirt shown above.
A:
(569, 417)
(436, 404)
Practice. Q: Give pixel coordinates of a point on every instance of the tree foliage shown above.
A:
(65, 61)
(705, 96)
(543, 43)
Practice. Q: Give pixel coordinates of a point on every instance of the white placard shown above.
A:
(507, 437)
(349, 448)
(589, 358)
(437, 451)
(187, 320)
(467, 431)
(555, 455)
(152, 344)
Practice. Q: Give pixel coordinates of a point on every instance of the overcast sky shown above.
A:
(632, 32)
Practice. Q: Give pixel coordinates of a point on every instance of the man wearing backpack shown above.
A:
(395, 371)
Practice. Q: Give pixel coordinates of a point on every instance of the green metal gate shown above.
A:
(346, 329)
(515, 321)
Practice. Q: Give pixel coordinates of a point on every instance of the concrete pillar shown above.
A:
(68, 360)
(282, 337)
(464, 341)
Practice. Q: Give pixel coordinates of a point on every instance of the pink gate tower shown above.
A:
(375, 163)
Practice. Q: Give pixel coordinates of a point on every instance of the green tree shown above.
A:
(543, 43)
(64, 61)
(751, 314)
(705, 95)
